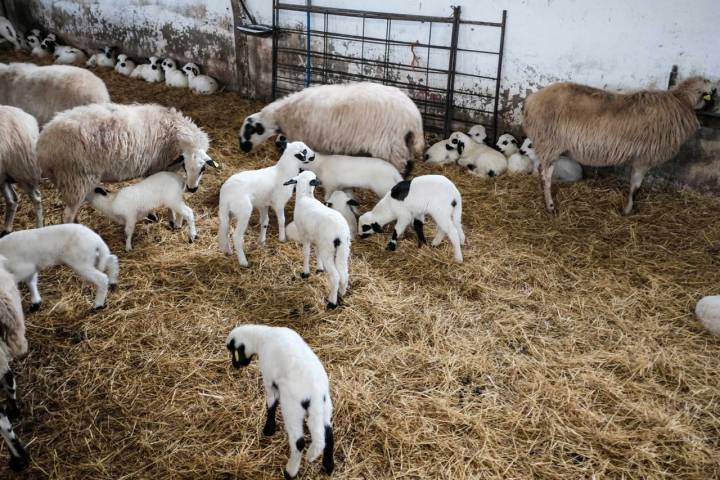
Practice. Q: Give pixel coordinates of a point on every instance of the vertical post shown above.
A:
(450, 94)
(388, 27)
(325, 47)
(276, 25)
(308, 56)
(498, 76)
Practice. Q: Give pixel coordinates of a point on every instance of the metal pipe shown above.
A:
(499, 76)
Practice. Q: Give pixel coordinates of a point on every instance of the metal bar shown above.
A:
(451, 69)
(488, 52)
(427, 63)
(275, 22)
(345, 36)
(325, 46)
(359, 13)
(362, 50)
(482, 24)
(499, 76)
(388, 28)
(308, 56)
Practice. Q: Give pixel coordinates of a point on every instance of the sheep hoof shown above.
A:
(304, 275)
(35, 307)
(332, 306)
(152, 217)
(4, 232)
(113, 287)
(319, 270)
(172, 225)
(391, 246)
(269, 430)
(101, 307)
(18, 464)
(287, 476)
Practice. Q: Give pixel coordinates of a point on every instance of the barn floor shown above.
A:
(562, 348)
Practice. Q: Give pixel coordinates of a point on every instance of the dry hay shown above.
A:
(562, 348)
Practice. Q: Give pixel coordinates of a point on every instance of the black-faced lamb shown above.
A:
(200, 84)
(85, 146)
(13, 344)
(44, 91)
(600, 128)
(105, 57)
(566, 169)
(409, 202)
(133, 203)
(18, 162)
(363, 119)
(294, 378)
(125, 65)
(480, 160)
(325, 229)
(258, 189)
(30, 251)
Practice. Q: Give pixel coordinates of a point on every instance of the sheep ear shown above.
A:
(292, 181)
(101, 191)
(353, 203)
(376, 227)
(213, 163)
(315, 182)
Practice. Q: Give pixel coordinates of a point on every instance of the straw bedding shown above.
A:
(562, 348)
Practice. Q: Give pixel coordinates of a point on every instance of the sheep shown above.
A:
(518, 161)
(480, 159)
(600, 128)
(327, 230)
(200, 84)
(340, 201)
(507, 144)
(150, 72)
(409, 201)
(366, 119)
(441, 153)
(173, 76)
(133, 203)
(8, 33)
(478, 134)
(87, 145)
(293, 376)
(566, 169)
(30, 251)
(18, 162)
(125, 65)
(260, 189)
(13, 344)
(104, 58)
(44, 91)
(37, 48)
(707, 311)
(65, 55)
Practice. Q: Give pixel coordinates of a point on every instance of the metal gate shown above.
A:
(450, 67)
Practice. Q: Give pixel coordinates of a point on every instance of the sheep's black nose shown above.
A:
(246, 146)
(192, 190)
(154, 67)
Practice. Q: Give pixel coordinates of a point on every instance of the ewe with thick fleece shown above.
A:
(442, 152)
(18, 162)
(260, 189)
(480, 160)
(30, 251)
(409, 201)
(200, 84)
(340, 201)
(13, 344)
(44, 91)
(125, 65)
(85, 146)
(707, 311)
(600, 128)
(293, 376)
(7, 32)
(173, 76)
(365, 119)
(327, 230)
(566, 169)
(150, 72)
(104, 58)
(133, 203)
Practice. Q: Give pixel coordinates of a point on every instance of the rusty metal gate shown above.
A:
(450, 67)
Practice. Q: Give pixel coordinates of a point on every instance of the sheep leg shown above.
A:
(418, 225)
(264, 224)
(11, 205)
(319, 268)
(186, 213)
(9, 386)
(547, 173)
(243, 218)
(19, 457)
(294, 416)
(280, 214)
(334, 278)
(98, 278)
(112, 270)
(342, 268)
(35, 300)
(271, 397)
(400, 226)
(636, 179)
(129, 231)
(439, 237)
(448, 227)
(36, 198)
(307, 248)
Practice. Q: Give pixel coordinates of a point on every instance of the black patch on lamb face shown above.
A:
(353, 203)
(300, 444)
(243, 360)
(246, 146)
(366, 228)
(460, 147)
(447, 147)
(259, 128)
(491, 173)
(400, 191)
(394, 236)
(305, 404)
(122, 64)
(453, 203)
(337, 242)
(471, 167)
(376, 227)
(274, 385)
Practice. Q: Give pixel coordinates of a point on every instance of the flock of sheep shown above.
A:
(325, 139)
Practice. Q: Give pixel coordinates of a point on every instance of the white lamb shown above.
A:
(325, 229)
(293, 376)
(133, 203)
(480, 160)
(442, 152)
(104, 58)
(173, 76)
(478, 134)
(409, 201)
(125, 65)
(507, 144)
(150, 72)
(66, 55)
(30, 251)
(566, 169)
(260, 189)
(37, 47)
(8, 33)
(340, 201)
(200, 84)
(707, 311)
(519, 163)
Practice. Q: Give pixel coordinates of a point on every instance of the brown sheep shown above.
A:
(600, 128)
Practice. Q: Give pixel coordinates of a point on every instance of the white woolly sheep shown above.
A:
(200, 84)
(294, 377)
(441, 153)
(173, 76)
(260, 189)
(13, 344)
(30, 251)
(377, 121)
(340, 201)
(327, 230)
(85, 146)
(566, 169)
(480, 159)
(507, 144)
(150, 72)
(125, 65)
(104, 58)
(8, 33)
(133, 203)
(18, 162)
(44, 91)
(707, 311)
(409, 201)
(65, 55)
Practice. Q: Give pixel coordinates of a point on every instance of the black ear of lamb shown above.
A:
(400, 190)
